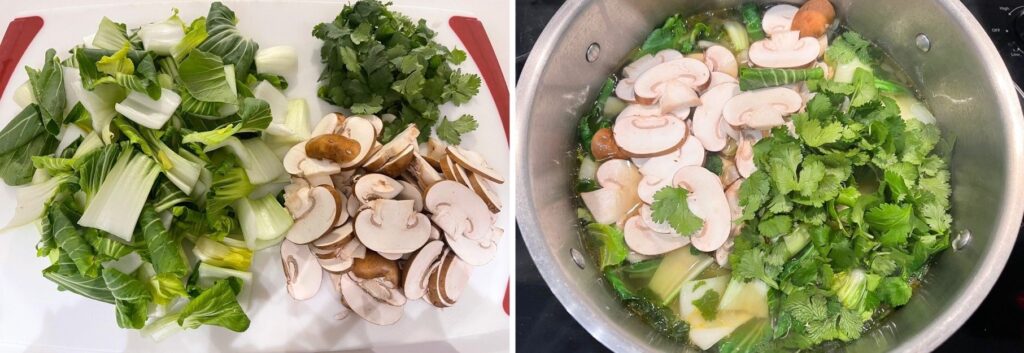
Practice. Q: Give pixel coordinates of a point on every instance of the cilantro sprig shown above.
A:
(378, 61)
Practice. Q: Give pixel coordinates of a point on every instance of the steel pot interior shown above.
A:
(961, 77)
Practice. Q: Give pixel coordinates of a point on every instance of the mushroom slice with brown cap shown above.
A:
(416, 270)
(474, 163)
(399, 163)
(336, 148)
(334, 239)
(390, 256)
(362, 132)
(617, 195)
(343, 214)
(329, 124)
(366, 306)
(434, 151)
(426, 175)
(720, 59)
(784, 50)
(411, 192)
(391, 226)
(302, 272)
(761, 109)
(312, 167)
(397, 146)
(708, 116)
(707, 201)
(481, 187)
(352, 205)
(645, 241)
(375, 121)
(315, 180)
(645, 135)
(689, 72)
(467, 223)
(778, 18)
(435, 233)
(296, 198)
(374, 266)
(374, 186)
(448, 281)
(320, 219)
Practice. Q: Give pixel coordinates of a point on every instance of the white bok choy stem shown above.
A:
(32, 200)
(280, 60)
(119, 201)
(262, 219)
(145, 111)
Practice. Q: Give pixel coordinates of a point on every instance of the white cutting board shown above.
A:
(35, 317)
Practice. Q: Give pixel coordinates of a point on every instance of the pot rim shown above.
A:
(932, 335)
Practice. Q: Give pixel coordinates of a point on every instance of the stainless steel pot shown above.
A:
(938, 43)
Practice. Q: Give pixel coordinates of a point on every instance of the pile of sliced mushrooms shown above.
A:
(388, 222)
(681, 107)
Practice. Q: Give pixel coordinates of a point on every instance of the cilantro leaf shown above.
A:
(707, 304)
(462, 87)
(451, 131)
(670, 206)
(814, 133)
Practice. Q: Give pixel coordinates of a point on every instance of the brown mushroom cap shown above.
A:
(475, 163)
(603, 146)
(302, 272)
(399, 163)
(391, 226)
(320, 219)
(398, 145)
(363, 132)
(337, 148)
(374, 266)
(447, 280)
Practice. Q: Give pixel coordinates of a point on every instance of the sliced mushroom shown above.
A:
(649, 186)
(390, 256)
(624, 89)
(435, 233)
(645, 241)
(690, 153)
(311, 167)
(618, 192)
(343, 214)
(603, 146)
(375, 121)
(467, 223)
(707, 201)
(732, 194)
(329, 124)
(320, 219)
(707, 118)
(314, 180)
(745, 156)
(647, 216)
(784, 50)
(778, 18)
(337, 148)
(391, 226)
(399, 163)
(718, 78)
(397, 146)
(688, 72)
(366, 306)
(416, 270)
(296, 198)
(352, 205)
(411, 192)
(334, 239)
(457, 171)
(363, 133)
(343, 180)
(720, 59)
(375, 266)
(761, 109)
(482, 188)
(475, 163)
(294, 157)
(302, 272)
(435, 151)
(644, 133)
(426, 175)
(376, 186)
(448, 281)
(678, 97)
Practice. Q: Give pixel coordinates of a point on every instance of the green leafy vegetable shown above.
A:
(753, 78)
(708, 305)
(609, 243)
(451, 131)
(215, 306)
(204, 77)
(670, 207)
(752, 21)
(165, 252)
(131, 298)
(226, 41)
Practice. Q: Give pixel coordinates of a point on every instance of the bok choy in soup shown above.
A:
(761, 179)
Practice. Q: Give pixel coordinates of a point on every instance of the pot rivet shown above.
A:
(923, 42)
(577, 257)
(961, 240)
(593, 51)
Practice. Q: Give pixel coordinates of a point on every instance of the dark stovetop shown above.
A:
(543, 325)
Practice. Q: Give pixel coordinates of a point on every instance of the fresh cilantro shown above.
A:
(707, 304)
(814, 133)
(451, 131)
(670, 206)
